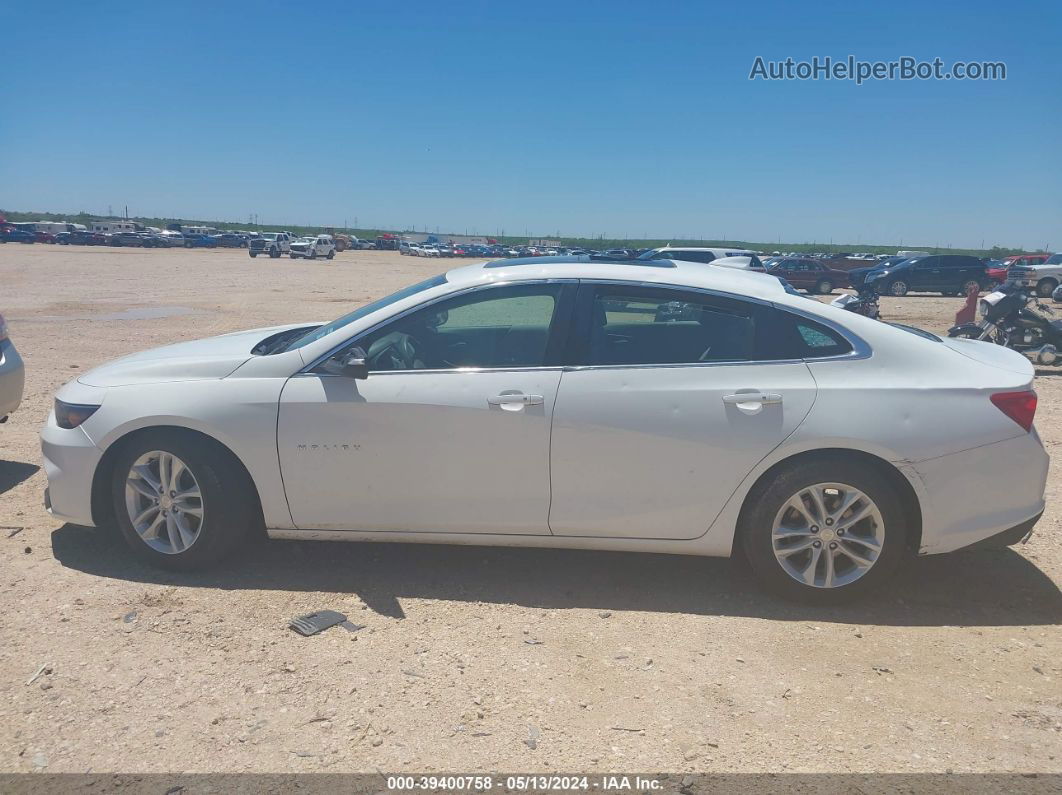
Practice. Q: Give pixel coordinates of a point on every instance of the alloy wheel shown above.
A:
(828, 535)
(164, 502)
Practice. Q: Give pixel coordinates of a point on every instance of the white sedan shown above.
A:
(643, 406)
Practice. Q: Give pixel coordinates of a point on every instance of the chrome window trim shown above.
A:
(860, 348)
(306, 370)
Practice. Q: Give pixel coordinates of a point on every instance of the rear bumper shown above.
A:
(981, 495)
(12, 378)
(1017, 534)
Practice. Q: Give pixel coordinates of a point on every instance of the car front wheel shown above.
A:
(898, 288)
(824, 287)
(179, 504)
(825, 532)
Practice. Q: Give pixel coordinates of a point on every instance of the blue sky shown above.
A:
(586, 118)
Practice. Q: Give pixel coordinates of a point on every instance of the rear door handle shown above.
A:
(519, 399)
(763, 398)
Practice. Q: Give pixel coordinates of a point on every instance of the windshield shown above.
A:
(361, 312)
(654, 253)
(1055, 259)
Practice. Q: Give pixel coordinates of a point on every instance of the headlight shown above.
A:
(70, 415)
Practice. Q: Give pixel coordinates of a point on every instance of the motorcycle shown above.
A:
(865, 302)
(1013, 318)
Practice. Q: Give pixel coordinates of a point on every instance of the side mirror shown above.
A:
(349, 364)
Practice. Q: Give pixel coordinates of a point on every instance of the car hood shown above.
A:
(863, 271)
(210, 358)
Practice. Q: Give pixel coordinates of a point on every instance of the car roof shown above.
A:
(675, 273)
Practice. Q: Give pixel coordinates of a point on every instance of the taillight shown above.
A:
(1019, 406)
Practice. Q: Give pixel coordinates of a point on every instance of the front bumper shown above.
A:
(12, 378)
(70, 461)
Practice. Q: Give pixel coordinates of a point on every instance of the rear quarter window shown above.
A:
(796, 337)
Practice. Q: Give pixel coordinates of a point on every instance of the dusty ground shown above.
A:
(472, 659)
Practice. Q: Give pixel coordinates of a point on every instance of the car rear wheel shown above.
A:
(825, 532)
(274, 253)
(331, 255)
(179, 503)
(898, 288)
(253, 254)
(1045, 287)
(824, 287)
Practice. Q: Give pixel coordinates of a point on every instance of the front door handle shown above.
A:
(515, 399)
(757, 399)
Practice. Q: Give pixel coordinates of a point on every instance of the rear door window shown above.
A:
(646, 326)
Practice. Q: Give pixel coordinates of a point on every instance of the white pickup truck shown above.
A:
(1043, 279)
(272, 243)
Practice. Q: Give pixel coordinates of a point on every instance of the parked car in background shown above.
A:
(230, 240)
(692, 253)
(171, 239)
(192, 240)
(856, 276)
(996, 270)
(12, 374)
(43, 237)
(272, 244)
(747, 262)
(429, 250)
(948, 274)
(9, 234)
(1025, 259)
(809, 274)
(79, 238)
(1042, 277)
(129, 239)
(312, 247)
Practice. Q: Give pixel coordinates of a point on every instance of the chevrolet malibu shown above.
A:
(646, 406)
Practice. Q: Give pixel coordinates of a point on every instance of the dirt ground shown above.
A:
(471, 659)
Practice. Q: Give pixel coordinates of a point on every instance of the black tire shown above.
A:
(331, 255)
(187, 245)
(1045, 287)
(274, 253)
(253, 254)
(227, 499)
(824, 287)
(312, 254)
(767, 499)
(898, 288)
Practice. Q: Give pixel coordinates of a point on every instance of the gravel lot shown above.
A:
(471, 659)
